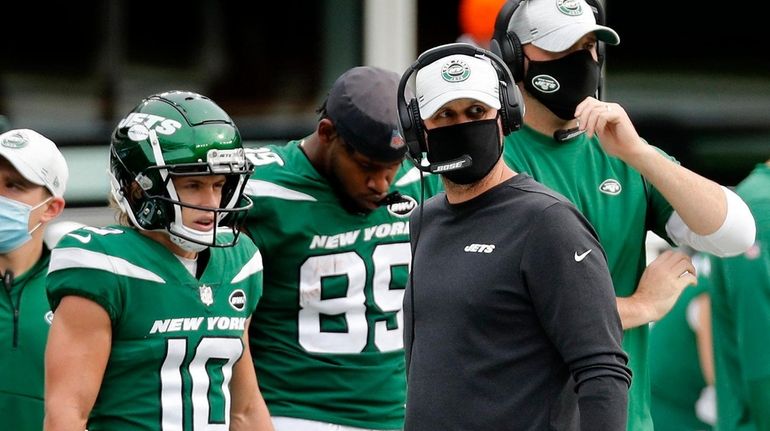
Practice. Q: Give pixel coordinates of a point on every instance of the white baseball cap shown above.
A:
(455, 77)
(36, 158)
(555, 25)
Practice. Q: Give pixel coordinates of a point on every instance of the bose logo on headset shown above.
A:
(507, 45)
(410, 123)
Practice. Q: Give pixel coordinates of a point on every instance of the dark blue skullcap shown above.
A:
(362, 105)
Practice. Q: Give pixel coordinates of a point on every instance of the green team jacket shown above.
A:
(25, 318)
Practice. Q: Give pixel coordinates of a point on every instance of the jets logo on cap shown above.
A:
(569, 7)
(15, 140)
(455, 71)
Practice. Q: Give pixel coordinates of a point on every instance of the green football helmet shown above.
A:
(179, 134)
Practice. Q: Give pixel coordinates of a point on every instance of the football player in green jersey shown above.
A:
(33, 176)
(327, 336)
(152, 314)
(589, 151)
(740, 304)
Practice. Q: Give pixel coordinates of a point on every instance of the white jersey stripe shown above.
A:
(267, 189)
(253, 266)
(72, 257)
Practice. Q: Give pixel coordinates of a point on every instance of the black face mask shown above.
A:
(562, 84)
(478, 139)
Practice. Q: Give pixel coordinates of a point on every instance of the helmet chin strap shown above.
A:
(186, 243)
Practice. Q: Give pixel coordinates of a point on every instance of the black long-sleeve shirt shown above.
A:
(510, 317)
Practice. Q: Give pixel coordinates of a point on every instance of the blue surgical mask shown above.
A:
(14, 222)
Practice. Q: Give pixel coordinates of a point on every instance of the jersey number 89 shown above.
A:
(353, 305)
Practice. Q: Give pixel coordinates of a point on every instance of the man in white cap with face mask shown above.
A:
(589, 151)
(33, 176)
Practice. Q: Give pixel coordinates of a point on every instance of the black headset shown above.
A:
(507, 45)
(410, 123)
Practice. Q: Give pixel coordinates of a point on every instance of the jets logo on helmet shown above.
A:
(179, 134)
(163, 126)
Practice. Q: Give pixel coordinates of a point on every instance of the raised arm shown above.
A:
(708, 217)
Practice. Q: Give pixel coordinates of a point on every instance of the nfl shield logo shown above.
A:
(207, 296)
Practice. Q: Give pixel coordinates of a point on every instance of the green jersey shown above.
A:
(175, 338)
(740, 302)
(675, 372)
(327, 338)
(25, 318)
(621, 205)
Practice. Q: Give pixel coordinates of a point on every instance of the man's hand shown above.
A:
(611, 123)
(659, 288)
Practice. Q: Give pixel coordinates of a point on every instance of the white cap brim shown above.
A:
(26, 171)
(430, 108)
(564, 37)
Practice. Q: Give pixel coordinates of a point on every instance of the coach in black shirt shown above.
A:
(510, 315)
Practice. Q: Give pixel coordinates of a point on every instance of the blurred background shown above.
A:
(699, 88)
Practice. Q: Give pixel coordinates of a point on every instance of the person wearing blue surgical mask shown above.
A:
(14, 222)
(33, 175)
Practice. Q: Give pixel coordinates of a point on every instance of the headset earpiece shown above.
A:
(600, 18)
(409, 124)
(506, 44)
(511, 101)
(419, 132)
(513, 51)
(512, 113)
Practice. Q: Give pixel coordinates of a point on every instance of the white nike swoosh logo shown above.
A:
(580, 257)
(83, 239)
